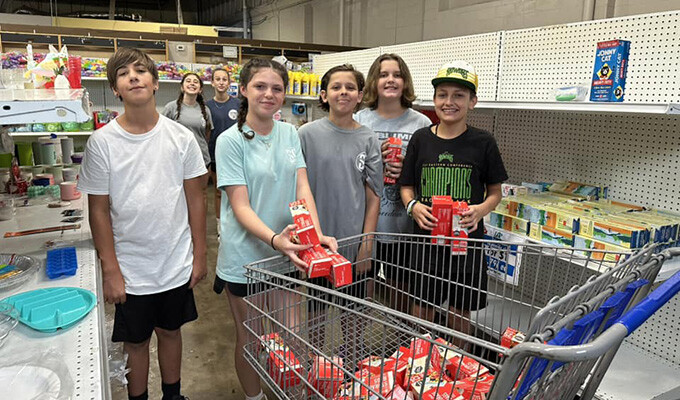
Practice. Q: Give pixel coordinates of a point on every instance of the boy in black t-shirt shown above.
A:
(453, 159)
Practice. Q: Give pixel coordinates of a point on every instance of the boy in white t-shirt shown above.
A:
(144, 177)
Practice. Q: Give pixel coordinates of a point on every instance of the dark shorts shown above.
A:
(392, 259)
(212, 166)
(136, 319)
(441, 279)
(241, 289)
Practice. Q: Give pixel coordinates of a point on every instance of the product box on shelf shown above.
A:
(609, 75)
(508, 189)
(590, 245)
(582, 190)
(509, 223)
(556, 237)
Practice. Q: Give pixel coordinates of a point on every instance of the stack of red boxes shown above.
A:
(326, 375)
(394, 146)
(320, 262)
(282, 364)
(448, 214)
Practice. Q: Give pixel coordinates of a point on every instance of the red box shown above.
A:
(458, 246)
(401, 364)
(326, 376)
(383, 384)
(400, 394)
(306, 232)
(475, 388)
(420, 347)
(317, 260)
(394, 145)
(462, 367)
(282, 363)
(341, 270)
(511, 338)
(442, 208)
(443, 356)
(423, 383)
(447, 391)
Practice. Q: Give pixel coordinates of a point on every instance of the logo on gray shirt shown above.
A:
(360, 161)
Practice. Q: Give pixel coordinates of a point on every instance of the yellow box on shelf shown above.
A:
(555, 237)
(509, 223)
(583, 244)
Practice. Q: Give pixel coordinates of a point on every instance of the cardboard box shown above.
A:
(422, 383)
(609, 74)
(583, 242)
(383, 384)
(446, 391)
(556, 238)
(318, 262)
(400, 394)
(475, 388)
(394, 145)
(341, 270)
(443, 354)
(511, 338)
(508, 189)
(282, 364)
(326, 375)
(306, 232)
(462, 367)
(458, 245)
(442, 209)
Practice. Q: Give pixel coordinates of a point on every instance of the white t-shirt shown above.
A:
(143, 175)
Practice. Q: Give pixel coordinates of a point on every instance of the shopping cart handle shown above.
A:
(650, 304)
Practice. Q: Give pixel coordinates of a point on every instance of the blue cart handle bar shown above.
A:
(637, 315)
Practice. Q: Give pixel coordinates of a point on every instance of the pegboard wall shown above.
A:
(360, 59)
(659, 335)
(425, 58)
(637, 156)
(536, 61)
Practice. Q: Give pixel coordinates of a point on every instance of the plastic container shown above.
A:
(27, 265)
(6, 208)
(47, 310)
(571, 93)
(8, 321)
(61, 262)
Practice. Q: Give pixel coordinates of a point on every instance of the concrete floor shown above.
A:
(208, 354)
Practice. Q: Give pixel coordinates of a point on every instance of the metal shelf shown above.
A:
(28, 106)
(582, 107)
(34, 134)
(301, 98)
(95, 78)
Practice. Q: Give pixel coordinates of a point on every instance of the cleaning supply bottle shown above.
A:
(312, 85)
(305, 84)
(297, 87)
(291, 79)
(318, 84)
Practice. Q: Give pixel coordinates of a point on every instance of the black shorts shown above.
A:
(392, 259)
(136, 319)
(440, 279)
(212, 166)
(241, 289)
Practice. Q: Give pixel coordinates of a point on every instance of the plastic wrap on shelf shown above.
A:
(35, 374)
(15, 270)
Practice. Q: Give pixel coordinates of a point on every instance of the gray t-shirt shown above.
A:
(192, 118)
(339, 164)
(393, 218)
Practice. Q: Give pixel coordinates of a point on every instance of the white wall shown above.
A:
(370, 23)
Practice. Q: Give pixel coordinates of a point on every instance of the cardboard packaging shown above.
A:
(318, 262)
(511, 338)
(458, 245)
(306, 232)
(394, 145)
(341, 270)
(282, 364)
(442, 209)
(475, 388)
(609, 74)
(326, 375)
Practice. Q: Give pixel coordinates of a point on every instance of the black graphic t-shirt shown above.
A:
(460, 167)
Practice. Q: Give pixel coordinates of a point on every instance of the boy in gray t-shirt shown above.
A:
(340, 163)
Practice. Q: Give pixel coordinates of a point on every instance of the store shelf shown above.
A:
(636, 375)
(35, 134)
(582, 107)
(28, 106)
(94, 78)
(301, 98)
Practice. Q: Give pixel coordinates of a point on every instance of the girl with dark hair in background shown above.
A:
(190, 110)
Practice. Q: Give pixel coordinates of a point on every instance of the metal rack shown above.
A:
(633, 147)
(26, 106)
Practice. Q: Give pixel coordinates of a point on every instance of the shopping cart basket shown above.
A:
(361, 342)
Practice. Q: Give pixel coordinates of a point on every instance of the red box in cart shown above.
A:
(382, 384)
(442, 208)
(306, 232)
(511, 338)
(341, 270)
(281, 362)
(394, 146)
(462, 367)
(443, 356)
(424, 383)
(447, 391)
(458, 246)
(400, 394)
(475, 388)
(326, 376)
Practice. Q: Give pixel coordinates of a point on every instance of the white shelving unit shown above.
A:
(633, 147)
(27, 106)
(37, 134)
